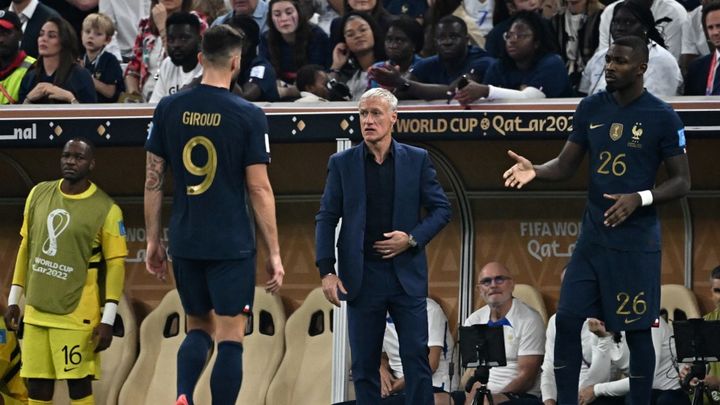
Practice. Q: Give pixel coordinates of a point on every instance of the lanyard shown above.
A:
(711, 74)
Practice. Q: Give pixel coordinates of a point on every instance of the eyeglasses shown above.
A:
(514, 36)
(499, 280)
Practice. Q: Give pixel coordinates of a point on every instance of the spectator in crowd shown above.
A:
(495, 39)
(292, 42)
(57, 77)
(527, 68)
(14, 62)
(601, 355)
(432, 78)
(712, 376)
(361, 48)
(703, 78)
(324, 12)
(666, 386)
(33, 15)
(104, 68)
(312, 82)
(519, 381)
(211, 9)
(182, 65)
(412, 8)
(576, 30)
(374, 8)
(632, 18)
(694, 41)
(257, 80)
(669, 15)
(125, 16)
(74, 12)
(403, 41)
(142, 71)
(257, 9)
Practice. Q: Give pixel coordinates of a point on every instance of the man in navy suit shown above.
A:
(703, 77)
(378, 188)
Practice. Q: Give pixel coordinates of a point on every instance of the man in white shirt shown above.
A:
(669, 17)
(33, 15)
(440, 345)
(125, 15)
(524, 332)
(182, 65)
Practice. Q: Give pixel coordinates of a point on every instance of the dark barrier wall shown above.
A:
(533, 231)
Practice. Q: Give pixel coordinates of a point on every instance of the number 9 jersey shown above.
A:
(625, 145)
(208, 136)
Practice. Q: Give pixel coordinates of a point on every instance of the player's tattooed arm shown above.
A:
(154, 172)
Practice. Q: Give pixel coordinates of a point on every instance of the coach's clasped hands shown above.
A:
(625, 205)
(396, 243)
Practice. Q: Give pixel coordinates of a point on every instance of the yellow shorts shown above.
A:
(58, 354)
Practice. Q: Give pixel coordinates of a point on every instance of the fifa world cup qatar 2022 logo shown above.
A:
(57, 221)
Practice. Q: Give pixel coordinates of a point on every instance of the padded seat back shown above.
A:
(678, 303)
(532, 297)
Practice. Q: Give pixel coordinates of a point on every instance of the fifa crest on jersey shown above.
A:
(616, 131)
(57, 221)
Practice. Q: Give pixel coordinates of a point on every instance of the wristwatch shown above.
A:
(411, 241)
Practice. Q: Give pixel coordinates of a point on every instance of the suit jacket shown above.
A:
(32, 30)
(416, 187)
(696, 80)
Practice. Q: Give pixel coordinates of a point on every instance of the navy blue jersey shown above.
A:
(431, 70)
(79, 83)
(106, 68)
(261, 73)
(548, 75)
(626, 146)
(209, 136)
(317, 52)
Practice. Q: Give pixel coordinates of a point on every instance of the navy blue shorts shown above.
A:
(227, 286)
(619, 287)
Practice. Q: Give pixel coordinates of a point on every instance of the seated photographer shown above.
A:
(517, 383)
(665, 389)
(712, 377)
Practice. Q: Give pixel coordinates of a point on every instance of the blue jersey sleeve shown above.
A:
(422, 69)
(155, 143)
(550, 76)
(263, 74)
(110, 71)
(579, 134)
(672, 142)
(258, 141)
(82, 86)
(493, 74)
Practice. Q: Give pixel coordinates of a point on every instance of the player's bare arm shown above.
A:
(263, 202)
(676, 186)
(156, 259)
(560, 168)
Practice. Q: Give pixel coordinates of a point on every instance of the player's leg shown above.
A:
(37, 365)
(80, 391)
(579, 299)
(193, 352)
(366, 329)
(410, 317)
(232, 289)
(631, 302)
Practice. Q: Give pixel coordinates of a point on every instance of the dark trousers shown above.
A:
(382, 293)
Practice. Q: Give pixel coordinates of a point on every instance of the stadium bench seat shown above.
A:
(304, 376)
(678, 303)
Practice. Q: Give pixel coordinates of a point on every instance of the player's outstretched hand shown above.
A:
(625, 205)
(102, 335)
(520, 174)
(156, 260)
(12, 317)
(330, 285)
(276, 271)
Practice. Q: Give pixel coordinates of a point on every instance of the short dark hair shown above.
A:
(248, 26)
(450, 19)
(709, 7)
(219, 42)
(637, 44)
(541, 36)
(411, 28)
(715, 273)
(306, 76)
(183, 18)
(86, 141)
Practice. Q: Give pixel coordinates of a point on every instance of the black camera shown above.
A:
(338, 91)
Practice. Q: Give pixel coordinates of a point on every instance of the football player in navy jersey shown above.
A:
(216, 145)
(614, 272)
